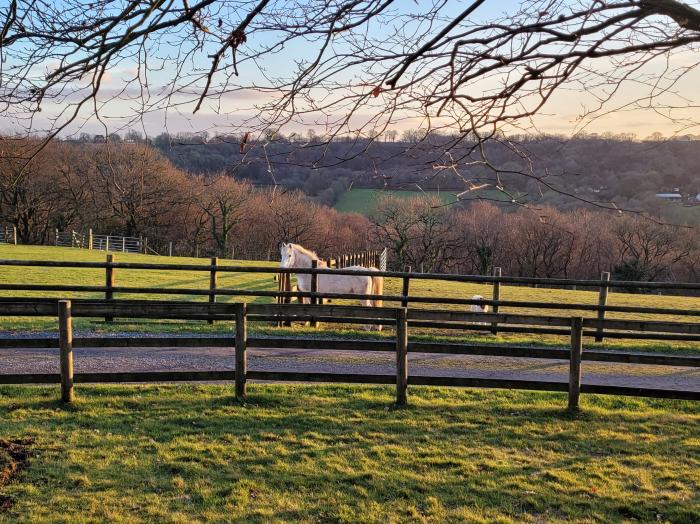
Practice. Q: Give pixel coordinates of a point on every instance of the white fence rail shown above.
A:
(8, 235)
(100, 242)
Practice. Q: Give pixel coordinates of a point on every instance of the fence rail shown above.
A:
(242, 314)
(476, 279)
(417, 318)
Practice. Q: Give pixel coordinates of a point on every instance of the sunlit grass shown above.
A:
(258, 281)
(292, 453)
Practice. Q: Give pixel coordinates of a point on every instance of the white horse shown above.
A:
(296, 256)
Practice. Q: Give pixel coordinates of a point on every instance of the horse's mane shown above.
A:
(307, 252)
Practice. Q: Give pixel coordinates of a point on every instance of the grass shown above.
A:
(364, 201)
(252, 281)
(292, 453)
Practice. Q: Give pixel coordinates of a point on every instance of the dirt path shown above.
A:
(188, 359)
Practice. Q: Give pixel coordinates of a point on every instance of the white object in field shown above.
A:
(478, 308)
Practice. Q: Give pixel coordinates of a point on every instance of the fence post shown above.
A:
(281, 286)
(90, 238)
(241, 341)
(107, 243)
(65, 339)
(602, 301)
(575, 362)
(405, 287)
(109, 283)
(288, 299)
(56, 241)
(170, 248)
(144, 243)
(14, 235)
(314, 289)
(496, 296)
(212, 284)
(401, 356)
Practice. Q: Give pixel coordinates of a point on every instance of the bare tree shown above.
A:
(417, 231)
(540, 248)
(481, 227)
(225, 203)
(31, 204)
(648, 251)
(475, 71)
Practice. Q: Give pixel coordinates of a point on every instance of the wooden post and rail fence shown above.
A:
(665, 326)
(400, 318)
(285, 293)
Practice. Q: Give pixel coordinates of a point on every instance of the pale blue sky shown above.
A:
(560, 115)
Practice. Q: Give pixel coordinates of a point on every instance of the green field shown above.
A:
(259, 281)
(364, 201)
(292, 453)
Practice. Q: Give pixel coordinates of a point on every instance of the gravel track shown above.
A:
(327, 361)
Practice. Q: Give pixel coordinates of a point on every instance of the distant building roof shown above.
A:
(669, 195)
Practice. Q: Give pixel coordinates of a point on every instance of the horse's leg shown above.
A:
(302, 299)
(369, 303)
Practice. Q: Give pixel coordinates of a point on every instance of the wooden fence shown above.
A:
(405, 299)
(400, 318)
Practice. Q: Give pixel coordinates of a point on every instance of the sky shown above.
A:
(561, 115)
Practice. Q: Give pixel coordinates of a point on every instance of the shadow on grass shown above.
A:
(335, 453)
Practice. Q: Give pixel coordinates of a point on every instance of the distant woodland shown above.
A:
(138, 189)
(594, 168)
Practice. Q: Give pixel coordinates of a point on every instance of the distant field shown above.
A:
(364, 201)
(683, 215)
(259, 281)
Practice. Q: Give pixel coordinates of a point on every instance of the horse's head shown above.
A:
(287, 255)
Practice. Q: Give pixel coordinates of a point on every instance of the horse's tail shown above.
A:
(378, 289)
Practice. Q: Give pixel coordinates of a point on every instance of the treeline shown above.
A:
(547, 243)
(133, 190)
(603, 168)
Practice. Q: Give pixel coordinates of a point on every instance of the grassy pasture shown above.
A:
(252, 281)
(293, 453)
(364, 201)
